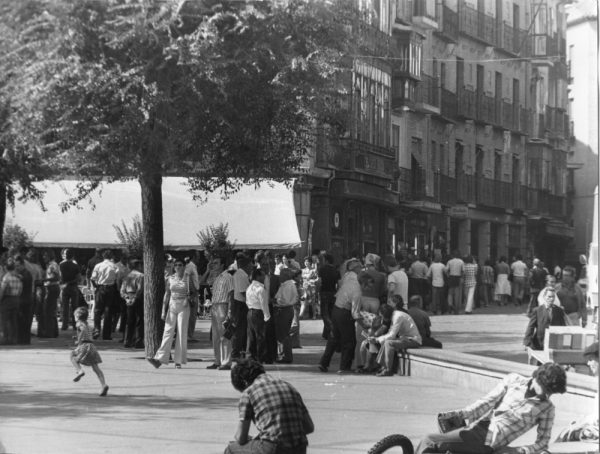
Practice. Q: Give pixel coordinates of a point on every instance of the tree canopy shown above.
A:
(223, 93)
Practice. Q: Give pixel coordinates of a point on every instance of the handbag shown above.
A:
(229, 329)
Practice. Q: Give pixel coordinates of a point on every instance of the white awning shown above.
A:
(258, 218)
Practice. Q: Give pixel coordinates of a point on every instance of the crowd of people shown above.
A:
(35, 286)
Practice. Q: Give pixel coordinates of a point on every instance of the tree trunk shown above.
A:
(154, 257)
(2, 212)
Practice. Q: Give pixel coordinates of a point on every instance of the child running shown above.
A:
(85, 353)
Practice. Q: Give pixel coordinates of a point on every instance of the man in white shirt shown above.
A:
(435, 274)
(239, 310)
(403, 333)
(257, 301)
(454, 270)
(520, 274)
(397, 282)
(104, 278)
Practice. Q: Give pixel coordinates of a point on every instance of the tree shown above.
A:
(22, 39)
(16, 237)
(132, 237)
(222, 93)
(214, 240)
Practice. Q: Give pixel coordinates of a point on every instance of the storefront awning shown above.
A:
(258, 218)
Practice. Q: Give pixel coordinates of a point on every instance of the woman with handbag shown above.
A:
(176, 314)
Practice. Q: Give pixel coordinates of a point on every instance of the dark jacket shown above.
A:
(539, 321)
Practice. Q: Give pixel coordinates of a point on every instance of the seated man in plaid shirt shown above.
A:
(514, 406)
(275, 407)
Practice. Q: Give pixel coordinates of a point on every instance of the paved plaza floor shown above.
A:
(193, 410)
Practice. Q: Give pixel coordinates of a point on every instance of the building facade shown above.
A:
(582, 63)
(458, 136)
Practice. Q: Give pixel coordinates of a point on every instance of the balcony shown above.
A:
(508, 118)
(449, 104)
(557, 122)
(545, 45)
(477, 25)
(486, 109)
(513, 40)
(480, 191)
(424, 14)
(365, 158)
(372, 39)
(448, 21)
(467, 104)
(428, 94)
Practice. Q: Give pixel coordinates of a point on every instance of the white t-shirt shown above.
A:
(436, 272)
(400, 281)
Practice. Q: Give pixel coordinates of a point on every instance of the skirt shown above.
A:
(502, 285)
(86, 354)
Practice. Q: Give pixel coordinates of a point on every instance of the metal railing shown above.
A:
(477, 24)
(467, 103)
(449, 23)
(449, 103)
(480, 191)
(428, 91)
(363, 157)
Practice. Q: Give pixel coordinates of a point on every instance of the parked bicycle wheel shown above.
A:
(386, 444)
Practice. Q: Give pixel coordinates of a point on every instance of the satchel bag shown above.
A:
(229, 329)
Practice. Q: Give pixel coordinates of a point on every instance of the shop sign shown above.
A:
(336, 220)
(459, 211)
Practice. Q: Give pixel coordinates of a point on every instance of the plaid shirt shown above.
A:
(221, 288)
(277, 410)
(511, 414)
(12, 285)
(470, 273)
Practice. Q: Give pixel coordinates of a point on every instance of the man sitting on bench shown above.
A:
(514, 406)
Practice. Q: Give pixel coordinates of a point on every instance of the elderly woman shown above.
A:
(176, 313)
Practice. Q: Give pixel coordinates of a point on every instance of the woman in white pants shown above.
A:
(176, 314)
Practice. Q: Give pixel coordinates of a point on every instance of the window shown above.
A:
(371, 104)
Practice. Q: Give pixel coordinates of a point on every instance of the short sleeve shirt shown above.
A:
(240, 284)
(277, 410)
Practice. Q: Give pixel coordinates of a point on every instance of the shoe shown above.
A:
(95, 335)
(79, 375)
(322, 368)
(156, 363)
(213, 366)
(127, 346)
(107, 338)
(104, 390)
(192, 339)
(64, 328)
(283, 361)
(345, 371)
(177, 366)
(468, 313)
(384, 373)
(139, 346)
(225, 367)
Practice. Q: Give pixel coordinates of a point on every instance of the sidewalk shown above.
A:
(193, 410)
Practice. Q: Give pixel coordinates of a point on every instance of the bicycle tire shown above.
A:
(392, 441)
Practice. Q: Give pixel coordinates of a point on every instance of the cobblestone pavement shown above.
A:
(193, 410)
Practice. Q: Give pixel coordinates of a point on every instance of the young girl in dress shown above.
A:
(85, 353)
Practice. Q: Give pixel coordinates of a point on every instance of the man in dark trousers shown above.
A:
(239, 309)
(548, 314)
(329, 277)
(69, 297)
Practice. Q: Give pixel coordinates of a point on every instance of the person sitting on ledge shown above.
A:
(423, 322)
(513, 407)
(403, 333)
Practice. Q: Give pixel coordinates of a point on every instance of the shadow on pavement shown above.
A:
(24, 403)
